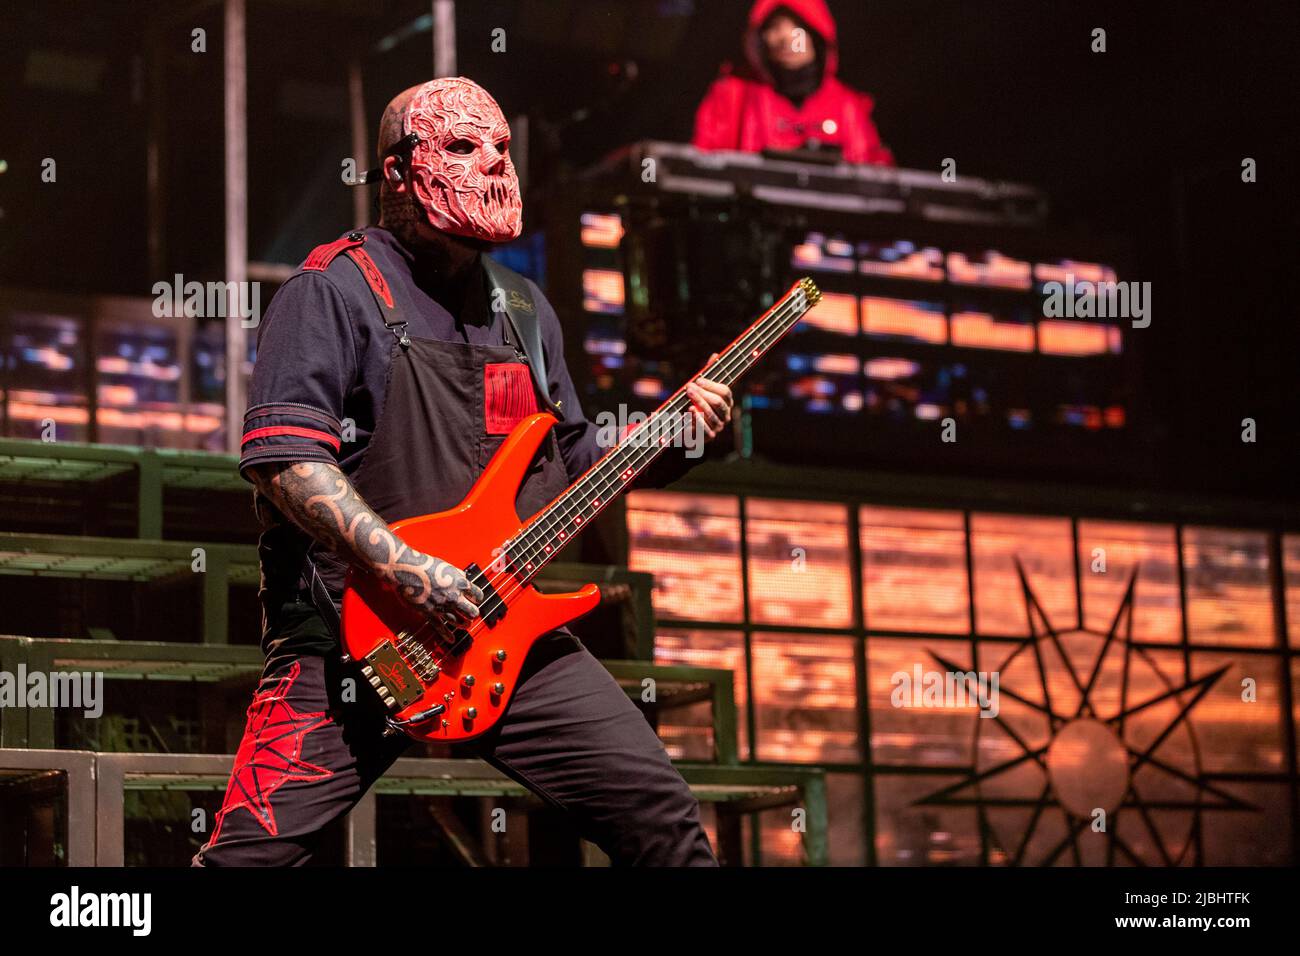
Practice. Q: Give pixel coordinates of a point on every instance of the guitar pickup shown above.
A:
(496, 608)
(456, 641)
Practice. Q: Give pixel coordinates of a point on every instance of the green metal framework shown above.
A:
(151, 560)
(734, 790)
(676, 687)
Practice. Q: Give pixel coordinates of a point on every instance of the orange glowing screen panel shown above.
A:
(799, 563)
(1109, 551)
(1044, 547)
(900, 260)
(1295, 700)
(602, 291)
(837, 312)
(1065, 269)
(822, 252)
(1236, 735)
(902, 318)
(1151, 675)
(1063, 337)
(782, 844)
(1291, 577)
(981, 330)
(805, 700)
(47, 376)
(914, 570)
(691, 543)
(601, 230)
(1228, 596)
(990, 268)
(910, 833)
(901, 731)
(687, 733)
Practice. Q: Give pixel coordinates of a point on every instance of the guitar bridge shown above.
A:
(392, 677)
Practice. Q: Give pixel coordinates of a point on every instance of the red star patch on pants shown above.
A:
(270, 754)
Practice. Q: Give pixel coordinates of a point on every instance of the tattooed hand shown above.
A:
(319, 498)
(438, 589)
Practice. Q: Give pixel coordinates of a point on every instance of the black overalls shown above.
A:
(570, 735)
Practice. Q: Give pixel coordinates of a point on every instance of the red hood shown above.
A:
(812, 12)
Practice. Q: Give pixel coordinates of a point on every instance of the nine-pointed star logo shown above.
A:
(270, 754)
(1096, 735)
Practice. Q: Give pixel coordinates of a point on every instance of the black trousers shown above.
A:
(570, 735)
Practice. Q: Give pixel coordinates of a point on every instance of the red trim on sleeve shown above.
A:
(289, 408)
(272, 430)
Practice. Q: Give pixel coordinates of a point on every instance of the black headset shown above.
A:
(401, 151)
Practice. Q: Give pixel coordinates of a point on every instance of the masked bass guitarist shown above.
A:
(404, 332)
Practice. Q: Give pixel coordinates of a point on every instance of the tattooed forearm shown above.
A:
(319, 499)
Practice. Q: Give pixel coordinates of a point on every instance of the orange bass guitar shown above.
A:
(450, 683)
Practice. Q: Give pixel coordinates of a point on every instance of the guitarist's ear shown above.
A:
(395, 173)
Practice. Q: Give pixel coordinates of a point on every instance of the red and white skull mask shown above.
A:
(461, 170)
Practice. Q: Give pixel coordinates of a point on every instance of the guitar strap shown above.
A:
(509, 294)
(320, 596)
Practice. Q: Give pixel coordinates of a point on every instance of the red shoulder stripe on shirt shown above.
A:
(320, 258)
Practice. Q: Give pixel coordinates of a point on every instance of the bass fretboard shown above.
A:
(529, 550)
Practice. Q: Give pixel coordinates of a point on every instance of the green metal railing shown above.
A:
(676, 687)
(155, 469)
(146, 558)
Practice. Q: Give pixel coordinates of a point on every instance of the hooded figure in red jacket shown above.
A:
(788, 96)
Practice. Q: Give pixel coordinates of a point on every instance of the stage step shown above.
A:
(165, 565)
(97, 784)
(674, 687)
(139, 477)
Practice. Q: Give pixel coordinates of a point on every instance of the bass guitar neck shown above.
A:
(450, 683)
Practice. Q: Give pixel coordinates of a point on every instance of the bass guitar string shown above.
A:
(648, 451)
(769, 328)
(539, 532)
(544, 526)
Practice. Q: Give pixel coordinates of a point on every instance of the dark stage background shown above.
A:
(1143, 142)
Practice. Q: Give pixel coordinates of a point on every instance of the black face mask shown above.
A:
(798, 84)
